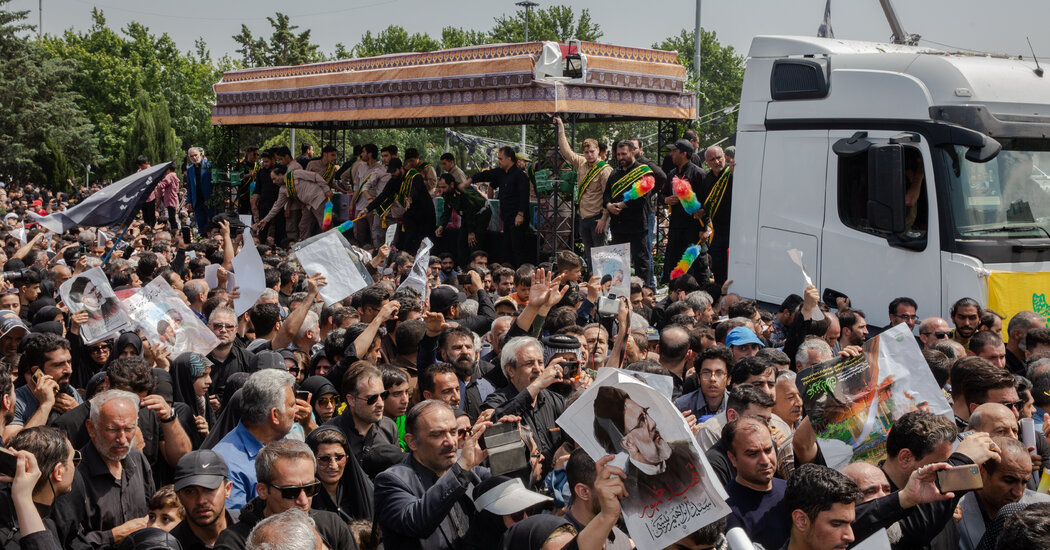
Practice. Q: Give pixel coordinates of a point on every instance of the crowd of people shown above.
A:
(360, 424)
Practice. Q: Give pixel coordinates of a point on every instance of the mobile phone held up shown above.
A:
(960, 478)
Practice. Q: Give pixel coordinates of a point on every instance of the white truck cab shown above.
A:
(897, 171)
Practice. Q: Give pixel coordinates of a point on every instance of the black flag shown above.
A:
(115, 204)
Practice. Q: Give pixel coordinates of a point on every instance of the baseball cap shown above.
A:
(444, 297)
(201, 468)
(504, 496)
(267, 359)
(9, 321)
(742, 336)
(683, 145)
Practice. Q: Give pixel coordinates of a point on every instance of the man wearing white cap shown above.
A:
(501, 502)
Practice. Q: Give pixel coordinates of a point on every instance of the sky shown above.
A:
(998, 27)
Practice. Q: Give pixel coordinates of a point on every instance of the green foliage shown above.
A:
(721, 79)
(285, 47)
(454, 37)
(151, 133)
(557, 23)
(394, 39)
(111, 70)
(42, 130)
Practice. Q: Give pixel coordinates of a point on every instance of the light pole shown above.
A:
(528, 5)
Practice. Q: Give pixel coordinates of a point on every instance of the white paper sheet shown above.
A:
(211, 276)
(330, 258)
(796, 257)
(248, 266)
(417, 278)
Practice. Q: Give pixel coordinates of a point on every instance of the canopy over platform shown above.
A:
(477, 86)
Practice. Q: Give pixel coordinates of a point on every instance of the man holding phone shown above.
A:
(49, 367)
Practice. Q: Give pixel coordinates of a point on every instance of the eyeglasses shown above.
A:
(222, 326)
(326, 401)
(77, 458)
(642, 421)
(706, 374)
(292, 493)
(907, 317)
(1016, 405)
(371, 399)
(334, 459)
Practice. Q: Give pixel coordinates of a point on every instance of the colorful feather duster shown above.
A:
(690, 256)
(685, 195)
(327, 222)
(640, 188)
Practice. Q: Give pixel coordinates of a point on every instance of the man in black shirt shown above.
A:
(264, 196)
(719, 248)
(685, 228)
(202, 485)
(513, 186)
(630, 219)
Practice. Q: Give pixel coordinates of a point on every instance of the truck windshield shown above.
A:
(1005, 198)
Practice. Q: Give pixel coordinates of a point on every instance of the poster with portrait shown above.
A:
(613, 264)
(854, 401)
(90, 291)
(164, 318)
(671, 489)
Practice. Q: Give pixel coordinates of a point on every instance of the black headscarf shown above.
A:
(45, 314)
(530, 533)
(318, 386)
(185, 370)
(355, 489)
(229, 416)
(54, 327)
(124, 340)
(150, 538)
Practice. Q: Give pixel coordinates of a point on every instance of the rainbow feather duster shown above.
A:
(685, 195)
(345, 226)
(640, 188)
(690, 256)
(327, 222)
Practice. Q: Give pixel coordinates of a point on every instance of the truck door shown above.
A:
(859, 255)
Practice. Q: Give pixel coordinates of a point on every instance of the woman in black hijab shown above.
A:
(230, 414)
(544, 531)
(347, 491)
(191, 378)
(324, 398)
(128, 344)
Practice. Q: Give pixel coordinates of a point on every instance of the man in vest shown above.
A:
(303, 187)
(592, 174)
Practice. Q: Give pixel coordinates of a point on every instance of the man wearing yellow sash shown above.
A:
(324, 166)
(592, 175)
(420, 214)
(718, 208)
(629, 219)
(303, 187)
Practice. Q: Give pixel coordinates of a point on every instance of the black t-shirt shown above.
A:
(760, 513)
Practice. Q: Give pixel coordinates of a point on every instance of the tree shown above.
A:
(720, 81)
(454, 37)
(111, 70)
(42, 130)
(394, 39)
(151, 134)
(556, 23)
(284, 48)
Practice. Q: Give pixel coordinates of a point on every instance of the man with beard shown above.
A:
(117, 478)
(853, 327)
(719, 181)
(226, 358)
(47, 367)
(966, 314)
(656, 466)
(585, 504)
(439, 381)
(264, 196)
(755, 496)
(455, 345)
(202, 485)
(198, 183)
(630, 219)
(513, 187)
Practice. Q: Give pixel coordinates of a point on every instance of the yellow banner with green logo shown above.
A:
(1010, 292)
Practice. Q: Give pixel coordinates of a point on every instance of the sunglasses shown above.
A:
(464, 433)
(371, 399)
(292, 493)
(939, 335)
(326, 401)
(532, 511)
(331, 458)
(98, 349)
(222, 326)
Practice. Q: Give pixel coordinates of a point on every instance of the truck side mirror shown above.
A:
(886, 188)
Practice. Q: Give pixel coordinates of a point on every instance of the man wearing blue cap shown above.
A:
(743, 342)
(202, 485)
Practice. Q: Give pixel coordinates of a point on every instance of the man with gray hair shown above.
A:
(1016, 329)
(198, 186)
(196, 291)
(286, 472)
(118, 481)
(268, 411)
(226, 358)
(527, 395)
(290, 530)
(812, 352)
